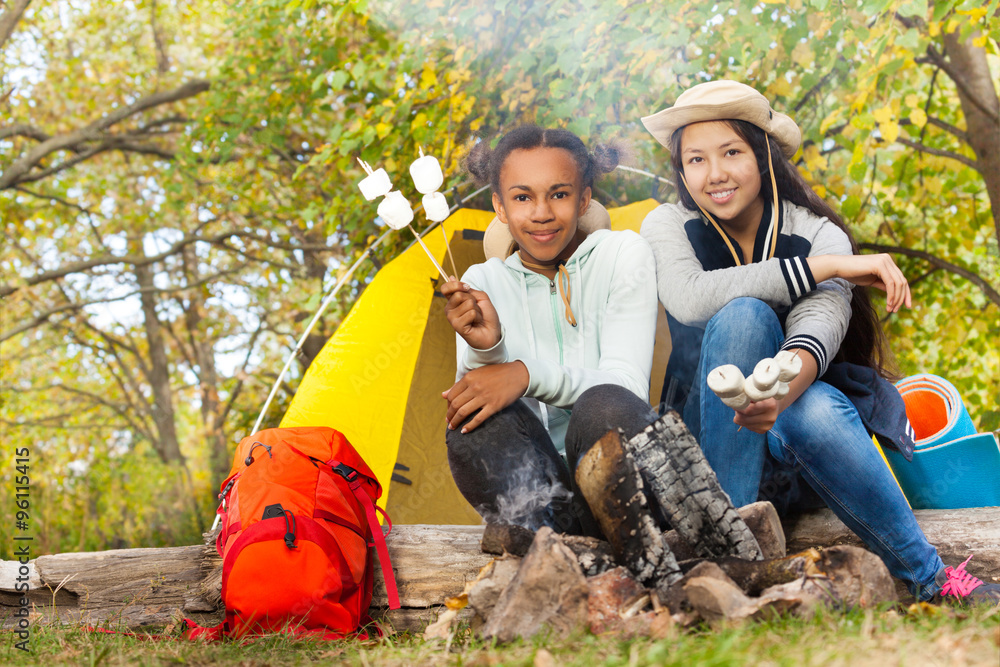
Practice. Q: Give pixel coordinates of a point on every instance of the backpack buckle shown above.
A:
(345, 471)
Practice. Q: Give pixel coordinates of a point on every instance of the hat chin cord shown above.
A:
(774, 210)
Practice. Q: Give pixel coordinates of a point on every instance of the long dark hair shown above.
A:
(485, 163)
(865, 342)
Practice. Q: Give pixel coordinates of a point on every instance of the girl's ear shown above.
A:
(498, 208)
(584, 201)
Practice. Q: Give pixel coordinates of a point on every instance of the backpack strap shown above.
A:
(353, 478)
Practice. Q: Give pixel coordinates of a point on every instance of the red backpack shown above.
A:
(299, 525)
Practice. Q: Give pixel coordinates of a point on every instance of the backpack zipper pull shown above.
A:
(290, 527)
(552, 287)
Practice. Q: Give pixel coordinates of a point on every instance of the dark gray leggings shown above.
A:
(509, 470)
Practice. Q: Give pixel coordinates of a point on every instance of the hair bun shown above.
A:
(607, 156)
(477, 162)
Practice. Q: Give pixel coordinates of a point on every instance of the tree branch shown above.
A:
(973, 278)
(935, 58)
(938, 151)
(10, 18)
(23, 130)
(116, 408)
(17, 171)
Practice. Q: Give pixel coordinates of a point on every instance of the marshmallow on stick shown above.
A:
(428, 177)
(769, 379)
(394, 209)
(727, 383)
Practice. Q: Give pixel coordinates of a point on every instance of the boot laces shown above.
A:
(959, 582)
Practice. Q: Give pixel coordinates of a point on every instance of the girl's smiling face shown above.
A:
(541, 199)
(722, 174)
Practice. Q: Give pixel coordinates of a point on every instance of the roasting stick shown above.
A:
(394, 209)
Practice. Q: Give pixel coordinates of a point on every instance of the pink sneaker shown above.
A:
(957, 585)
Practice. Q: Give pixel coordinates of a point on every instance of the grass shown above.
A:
(935, 636)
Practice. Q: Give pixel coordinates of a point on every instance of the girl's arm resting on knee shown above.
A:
(878, 271)
(488, 389)
(760, 417)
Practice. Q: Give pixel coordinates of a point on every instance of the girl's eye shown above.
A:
(521, 198)
(560, 195)
(695, 160)
(732, 151)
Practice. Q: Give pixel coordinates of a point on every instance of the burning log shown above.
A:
(611, 483)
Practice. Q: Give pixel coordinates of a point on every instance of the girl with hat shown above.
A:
(562, 313)
(750, 262)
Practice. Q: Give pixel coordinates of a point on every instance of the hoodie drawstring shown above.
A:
(564, 284)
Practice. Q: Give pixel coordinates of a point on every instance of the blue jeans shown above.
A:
(820, 437)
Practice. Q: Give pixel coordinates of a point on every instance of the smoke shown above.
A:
(533, 499)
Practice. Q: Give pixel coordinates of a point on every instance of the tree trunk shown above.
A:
(157, 372)
(981, 107)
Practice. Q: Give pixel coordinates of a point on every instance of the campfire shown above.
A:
(646, 582)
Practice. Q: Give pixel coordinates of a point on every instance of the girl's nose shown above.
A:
(716, 172)
(543, 210)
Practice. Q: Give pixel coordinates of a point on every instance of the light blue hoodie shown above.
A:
(613, 296)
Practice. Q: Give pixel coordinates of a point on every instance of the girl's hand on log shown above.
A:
(878, 271)
(488, 389)
(471, 314)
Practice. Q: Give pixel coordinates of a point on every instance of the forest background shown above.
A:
(178, 193)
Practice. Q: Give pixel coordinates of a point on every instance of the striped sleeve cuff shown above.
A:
(811, 345)
(798, 277)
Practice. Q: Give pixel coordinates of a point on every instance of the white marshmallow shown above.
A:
(426, 174)
(738, 402)
(755, 394)
(782, 390)
(436, 207)
(375, 185)
(395, 210)
(765, 374)
(789, 365)
(726, 381)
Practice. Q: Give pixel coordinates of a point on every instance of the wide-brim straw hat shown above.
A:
(724, 100)
(498, 242)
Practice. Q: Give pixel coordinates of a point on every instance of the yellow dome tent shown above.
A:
(379, 378)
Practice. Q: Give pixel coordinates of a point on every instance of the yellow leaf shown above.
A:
(889, 130)
(382, 130)
(252, 69)
(830, 120)
(813, 158)
(975, 14)
(476, 124)
(934, 28)
(883, 115)
(820, 190)
(979, 42)
(428, 79)
(802, 54)
(912, 100)
(780, 87)
(918, 117)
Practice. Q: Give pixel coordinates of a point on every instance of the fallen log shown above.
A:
(148, 587)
